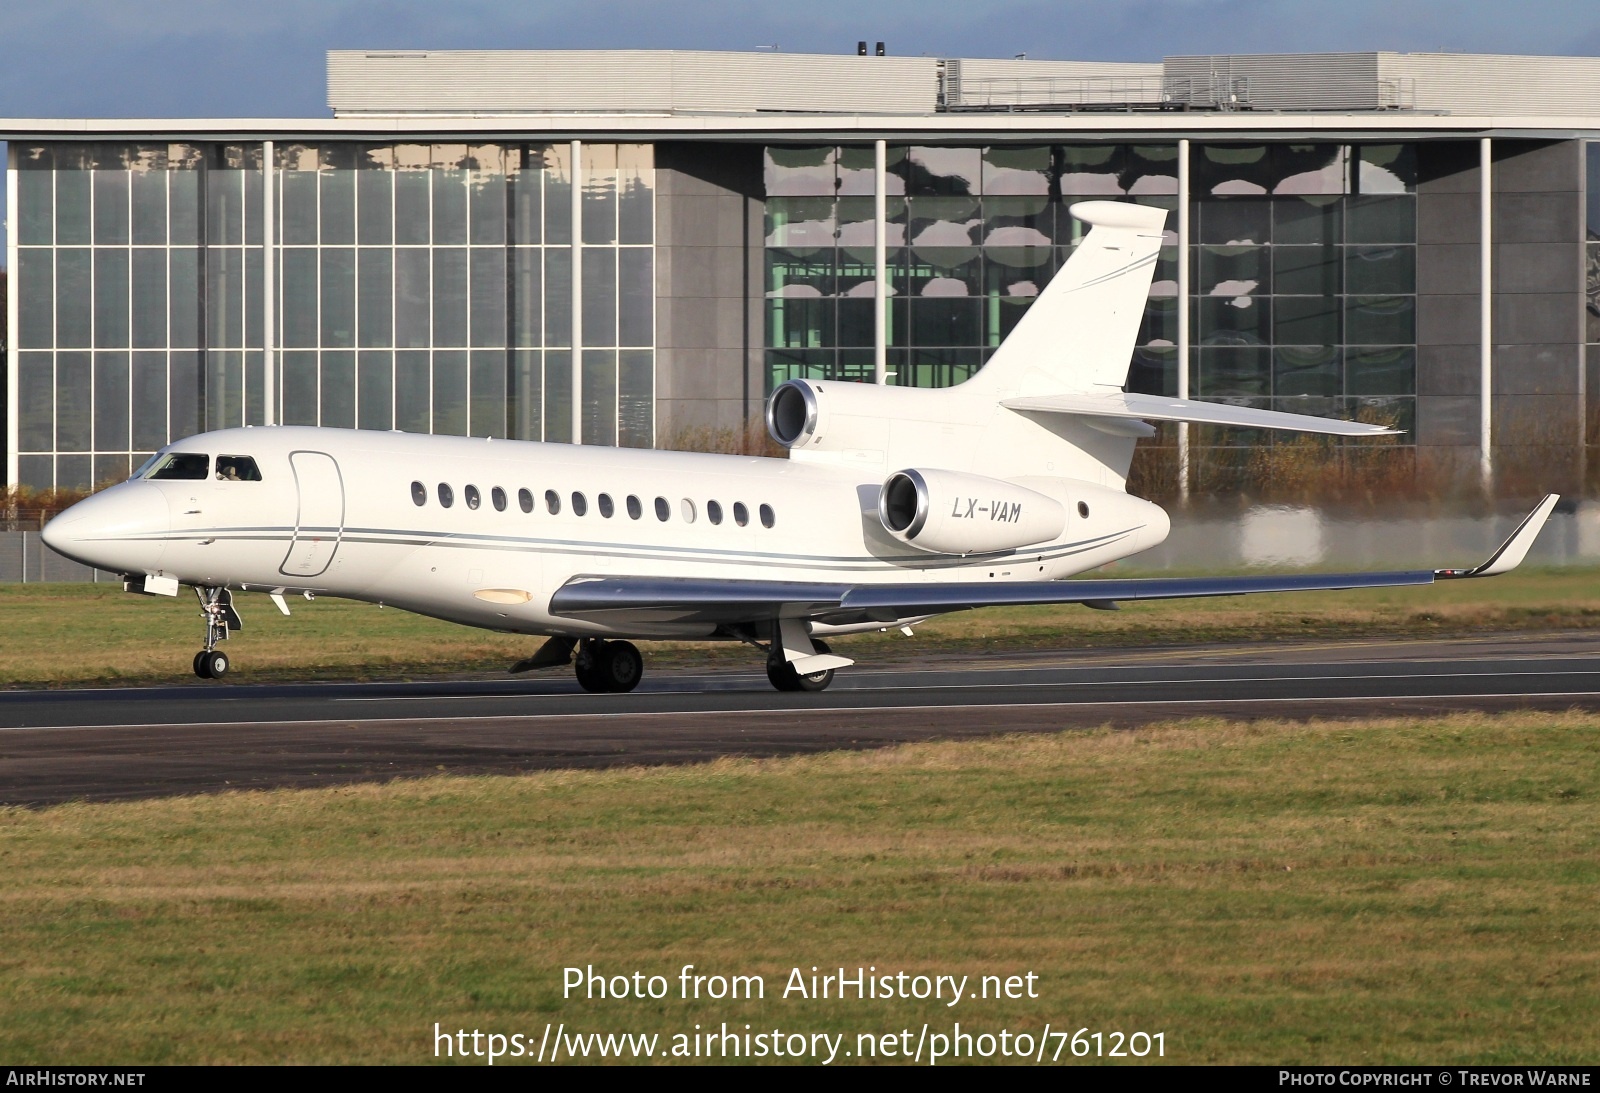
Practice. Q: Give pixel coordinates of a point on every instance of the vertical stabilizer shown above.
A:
(1078, 336)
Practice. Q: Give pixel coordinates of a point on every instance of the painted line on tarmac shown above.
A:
(806, 710)
(1047, 683)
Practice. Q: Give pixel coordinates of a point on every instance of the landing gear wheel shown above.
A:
(216, 664)
(781, 674)
(608, 667)
(622, 666)
(200, 665)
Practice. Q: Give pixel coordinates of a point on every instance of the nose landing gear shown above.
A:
(216, 607)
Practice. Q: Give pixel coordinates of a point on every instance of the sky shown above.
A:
(265, 58)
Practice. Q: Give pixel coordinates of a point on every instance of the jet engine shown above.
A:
(950, 512)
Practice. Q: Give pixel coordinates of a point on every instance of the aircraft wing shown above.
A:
(641, 600)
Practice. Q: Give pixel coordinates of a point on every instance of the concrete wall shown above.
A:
(1538, 288)
(709, 225)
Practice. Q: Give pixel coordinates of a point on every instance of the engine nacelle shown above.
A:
(949, 512)
(836, 416)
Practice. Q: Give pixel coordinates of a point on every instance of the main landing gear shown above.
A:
(216, 607)
(782, 675)
(608, 667)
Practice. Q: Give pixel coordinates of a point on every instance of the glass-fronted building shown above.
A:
(635, 254)
(426, 287)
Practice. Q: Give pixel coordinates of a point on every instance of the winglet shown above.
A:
(1514, 549)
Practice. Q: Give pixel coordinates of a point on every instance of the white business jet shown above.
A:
(895, 504)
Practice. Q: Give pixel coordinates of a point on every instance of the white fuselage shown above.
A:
(334, 513)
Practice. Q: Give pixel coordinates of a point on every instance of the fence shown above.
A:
(25, 558)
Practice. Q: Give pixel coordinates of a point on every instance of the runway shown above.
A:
(107, 744)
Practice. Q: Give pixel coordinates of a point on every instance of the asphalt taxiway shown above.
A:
(103, 744)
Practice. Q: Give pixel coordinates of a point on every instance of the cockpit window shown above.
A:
(237, 468)
(183, 465)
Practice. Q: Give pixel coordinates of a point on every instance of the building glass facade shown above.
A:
(1302, 265)
(422, 287)
(1591, 286)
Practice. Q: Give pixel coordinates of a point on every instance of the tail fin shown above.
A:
(1078, 336)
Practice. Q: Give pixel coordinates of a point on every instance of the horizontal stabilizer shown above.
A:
(1160, 408)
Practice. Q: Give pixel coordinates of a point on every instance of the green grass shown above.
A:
(1384, 892)
(79, 633)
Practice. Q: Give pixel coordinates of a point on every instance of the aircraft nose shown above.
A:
(123, 529)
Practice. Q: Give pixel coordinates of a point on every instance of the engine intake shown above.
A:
(951, 512)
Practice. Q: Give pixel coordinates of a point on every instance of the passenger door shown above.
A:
(319, 520)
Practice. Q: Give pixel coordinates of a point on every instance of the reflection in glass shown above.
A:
(944, 171)
(1235, 371)
(488, 386)
(804, 171)
(450, 392)
(375, 390)
(1373, 270)
(1307, 271)
(413, 412)
(599, 396)
(1380, 320)
(110, 207)
(558, 396)
(111, 402)
(1306, 320)
(111, 299)
(298, 376)
(1306, 370)
(1387, 168)
(1381, 220)
(338, 390)
(1386, 371)
(72, 409)
(1239, 320)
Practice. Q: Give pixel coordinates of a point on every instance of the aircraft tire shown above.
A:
(783, 677)
(591, 666)
(621, 665)
(216, 664)
(200, 665)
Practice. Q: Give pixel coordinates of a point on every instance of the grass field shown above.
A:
(1383, 892)
(77, 633)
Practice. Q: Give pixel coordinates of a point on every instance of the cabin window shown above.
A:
(237, 468)
(186, 466)
(447, 496)
(419, 494)
(663, 510)
(474, 499)
(580, 503)
(498, 496)
(635, 510)
(768, 517)
(606, 507)
(525, 499)
(1083, 509)
(686, 507)
(714, 512)
(552, 501)
(741, 515)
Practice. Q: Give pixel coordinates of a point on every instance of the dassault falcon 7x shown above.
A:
(895, 504)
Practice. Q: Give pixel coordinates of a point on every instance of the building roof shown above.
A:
(654, 95)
